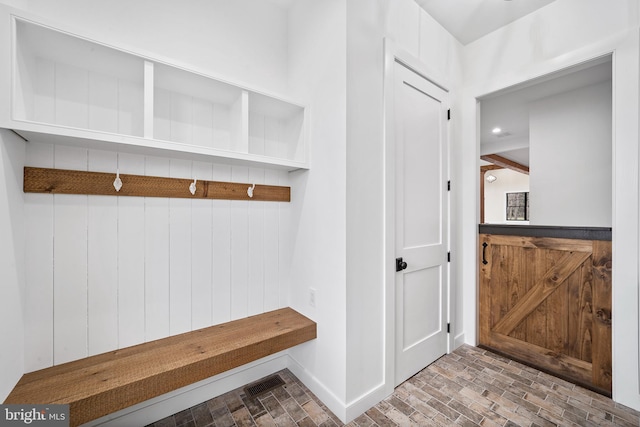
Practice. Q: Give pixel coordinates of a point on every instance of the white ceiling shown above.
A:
(468, 20)
(509, 109)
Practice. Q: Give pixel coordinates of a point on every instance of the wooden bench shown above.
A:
(99, 385)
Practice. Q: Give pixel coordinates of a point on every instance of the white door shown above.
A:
(420, 127)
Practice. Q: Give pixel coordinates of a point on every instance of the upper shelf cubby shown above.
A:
(275, 128)
(195, 110)
(63, 87)
(67, 81)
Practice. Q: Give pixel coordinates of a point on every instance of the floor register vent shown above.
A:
(263, 386)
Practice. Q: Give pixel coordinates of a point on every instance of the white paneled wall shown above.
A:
(110, 272)
(71, 96)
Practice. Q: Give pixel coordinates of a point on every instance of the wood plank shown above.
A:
(271, 249)
(180, 257)
(484, 293)
(239, 251)
(131, 260)
(221, 304)
(602, 280)
(579, 314)
(131, 108)
(202, 122)
(70, 267)
(72, 109)
(518, 288)
(560, 364)
(286, 243)
(543, 243)
(181, 118)
(44, 98)
(59, 181)
(557, 314)
(505, 163)
(256, 250)
(202, 264)
(566, 265)
(157, 244)
(536, 322)
(102, 272)
(485, 168)
(38, 211)
(103, 103)
(105, 383)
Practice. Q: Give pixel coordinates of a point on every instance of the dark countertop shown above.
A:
(582, 233)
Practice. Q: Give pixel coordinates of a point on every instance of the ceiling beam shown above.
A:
(486, 168)
(505, 163)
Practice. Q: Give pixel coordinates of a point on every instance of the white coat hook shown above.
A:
(192, 186)
(250, 191)
(117, 183)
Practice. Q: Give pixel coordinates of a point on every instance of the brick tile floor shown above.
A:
(469, 387)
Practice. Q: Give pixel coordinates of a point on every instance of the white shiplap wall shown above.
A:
(110, 272)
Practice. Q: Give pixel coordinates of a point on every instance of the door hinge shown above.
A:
(448, 185)
(448, 256)
(449, 114)
(448, 328)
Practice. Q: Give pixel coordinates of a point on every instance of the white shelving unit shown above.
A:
(79, 91)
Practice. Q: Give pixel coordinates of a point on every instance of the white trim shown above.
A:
(389, 218)
(392, 54)
(346, 412)
(322, 392)
(358, 406)
(458, 340)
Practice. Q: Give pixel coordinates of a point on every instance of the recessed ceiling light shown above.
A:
(496, 130)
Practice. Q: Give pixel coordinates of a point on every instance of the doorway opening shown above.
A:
(545, 270)
(550, 137)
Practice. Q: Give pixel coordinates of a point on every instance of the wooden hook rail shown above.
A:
(60, 181)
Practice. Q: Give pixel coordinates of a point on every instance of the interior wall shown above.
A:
(562, 34)
(12, 289)
(571, 151)
(317, 70)
(495, 203)
(369, 368)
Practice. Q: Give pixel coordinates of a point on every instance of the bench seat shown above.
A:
(99, 385)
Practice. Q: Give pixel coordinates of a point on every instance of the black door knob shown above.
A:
(400, 264)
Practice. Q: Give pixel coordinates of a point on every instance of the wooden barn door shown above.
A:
(547, 302)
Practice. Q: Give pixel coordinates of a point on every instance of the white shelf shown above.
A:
(66, 81)
(195, 110)
(72, 90)
(275, 128)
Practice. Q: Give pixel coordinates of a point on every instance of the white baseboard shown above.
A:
(345, 412)
(333, 402)
(160, 407)
(366, 401)
(458, 341)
